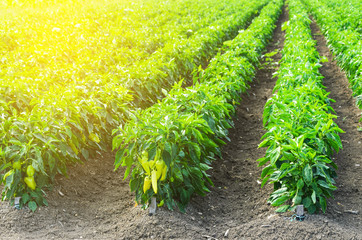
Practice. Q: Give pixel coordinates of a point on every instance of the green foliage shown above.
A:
(187, 128)
(340, 22)
(301, 135)
(68, 69)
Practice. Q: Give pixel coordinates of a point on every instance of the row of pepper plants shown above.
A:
(168, 147)
(67, 57)
(301, 134)
(44, 130)
(348, 13)
(345, 42)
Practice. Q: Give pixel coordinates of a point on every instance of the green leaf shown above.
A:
(45, 202)
(9, 180)
(280, 200)
(204, 167)
(264, 143)
(280, 191)
(285, 26)
(266, 171)
(313, 197)
(264, 181)
(152, 151)
(307, 202)
(134, 184)
(168, 147)
(40, 137)
(282, 209)
(284, 166)
(174, 151)
(274, 155)
(307, 174)
(25, 198)
(297, 199)
(324, 59)
(38, 163)
(210, 142)
(166, 156)
(326, 185)
(300, 184)
(311, 209)
(195, 152)
(85, 154)
(323, 203)
(32, 206)
(262, 161)
(119, 155)
(126, 173)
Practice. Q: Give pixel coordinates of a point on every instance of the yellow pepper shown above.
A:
(74, 148)
(159, 168)
(145, 165)
(94, 137)
(30, 182)
(164, 173)
(151, 164)
(146, 184)
(30, 171)
(8, 174)
(154, 181)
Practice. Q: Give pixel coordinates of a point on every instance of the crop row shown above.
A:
(168, 148)
(182, 57)
(348, 14)
(301, 134)
(346, 43)
(64, 124)
(64, 49)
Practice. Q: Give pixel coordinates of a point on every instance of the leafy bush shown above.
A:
(301, 135)
(183, 133)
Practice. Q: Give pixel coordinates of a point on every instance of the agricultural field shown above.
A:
(221, 115)
(54, 114)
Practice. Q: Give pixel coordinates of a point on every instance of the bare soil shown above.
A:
(94, 202)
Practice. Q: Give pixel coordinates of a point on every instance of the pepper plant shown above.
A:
(301, 134)
(182, 134)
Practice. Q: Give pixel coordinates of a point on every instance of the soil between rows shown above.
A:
(94, 202)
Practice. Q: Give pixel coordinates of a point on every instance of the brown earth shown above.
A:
(94, 202)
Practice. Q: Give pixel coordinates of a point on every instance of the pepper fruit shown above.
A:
(159, 168)
(94, 137)
(146, 184)
(151, 163)
(30, 171)
(8, 174)
(145, 165)
(164, 173)
(17, 165)
(74, 148)
(30, 182)
(154, 181)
